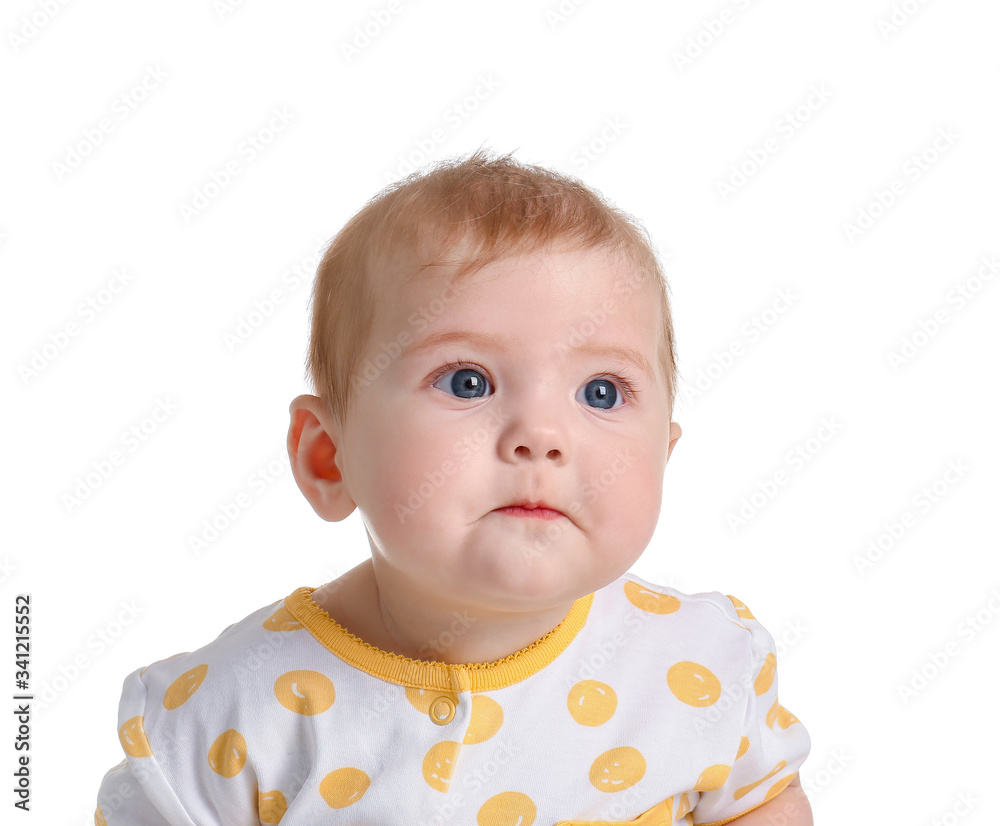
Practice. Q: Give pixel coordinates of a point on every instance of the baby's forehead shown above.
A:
(439, 304)
(455, 286)
(458, 265)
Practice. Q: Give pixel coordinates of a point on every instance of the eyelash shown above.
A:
(624, 379)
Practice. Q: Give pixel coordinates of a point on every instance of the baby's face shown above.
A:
(511, 386)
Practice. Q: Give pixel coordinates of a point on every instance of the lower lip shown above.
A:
(533, 513)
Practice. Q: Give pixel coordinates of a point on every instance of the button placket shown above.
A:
(442, 710)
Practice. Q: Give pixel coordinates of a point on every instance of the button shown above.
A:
(443, 710)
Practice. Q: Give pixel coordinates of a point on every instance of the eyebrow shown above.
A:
(496, 342)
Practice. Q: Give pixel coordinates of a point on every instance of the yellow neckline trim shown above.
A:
(406, 671)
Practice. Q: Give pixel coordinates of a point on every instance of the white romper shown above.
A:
(644, 706)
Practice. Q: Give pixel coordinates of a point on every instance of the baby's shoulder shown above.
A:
(631, 592)
(198, 714)
(661, 612)
(232, 667)
(648, 626)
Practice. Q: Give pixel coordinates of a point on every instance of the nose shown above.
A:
(525, 452)
(534, 434)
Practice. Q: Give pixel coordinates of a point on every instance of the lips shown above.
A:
(533, 509)
(531, 505)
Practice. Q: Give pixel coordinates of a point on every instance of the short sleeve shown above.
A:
(137, 792)
(773, 745)
(122, 799)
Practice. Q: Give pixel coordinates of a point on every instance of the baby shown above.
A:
(493, 354)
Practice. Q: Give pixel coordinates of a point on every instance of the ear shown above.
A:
(675, 434)
(312, 451)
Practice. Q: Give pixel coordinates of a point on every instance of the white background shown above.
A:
(113, 580)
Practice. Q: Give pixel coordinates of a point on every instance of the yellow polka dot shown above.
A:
(304, 692)
(617, 769)
(685, 806)
(281, 620)
(271, 806)
(693, 684)
(714, 777)
(592, 703)
(228, 753)
(741, 609)
(778, 787)
(779, 714)
(344, 787)
(785, 717)
(507, 809)
(99, 818)
(766, 676)
(421, 698)
(743, 791)
(184, 686)
(133, 738)
(487, 717)
(650, 601)
(439, 764)
(744, 745)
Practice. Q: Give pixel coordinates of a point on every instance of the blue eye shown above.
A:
(602, 392)
(465, 381)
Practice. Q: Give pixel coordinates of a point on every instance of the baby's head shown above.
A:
(487, 334)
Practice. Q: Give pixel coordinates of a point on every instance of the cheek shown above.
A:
(627, 488)
(407, 466)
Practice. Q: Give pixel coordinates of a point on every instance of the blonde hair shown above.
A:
(490, 204)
